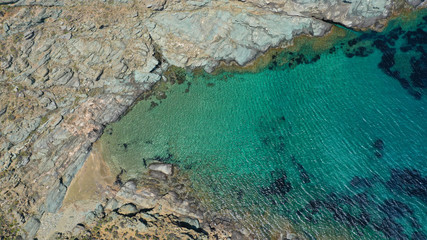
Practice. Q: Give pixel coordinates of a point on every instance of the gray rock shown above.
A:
(51, 105)
(7, 63)
(67, 36)
(111, 205)
(191, 221)
(24, 161)
(225, 35)
(5, 161)
(150, 65)
(61, 77)
(135, 224)
(99, 211)
(113, 216)
(8, 1)
(158, 175)
(3, 111)
(90, 217)
(128, 209)
(29, 34)
(19, 134)
(147, 217)
(236, 235)
(145, 199)
(155, 4)
(31, 227)
(45, 3)
(162, 167)
(78, 229)
(414, 2)
(54, 199)
(146, 80)
(133, 14)
(140, 226)
(120, 70)
(6, 27)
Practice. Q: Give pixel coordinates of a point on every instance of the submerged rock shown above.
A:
(379, 144)
(162, 167)
(408, 181)
(279, 187)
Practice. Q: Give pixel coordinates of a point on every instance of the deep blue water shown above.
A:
(331, 143)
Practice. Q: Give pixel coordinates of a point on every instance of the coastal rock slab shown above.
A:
(31, 227)
(144, 198)
(225, 35)
(162, 167)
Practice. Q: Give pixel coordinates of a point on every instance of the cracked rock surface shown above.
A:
(70, 67)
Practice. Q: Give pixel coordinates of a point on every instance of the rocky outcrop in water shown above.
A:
(68, 68)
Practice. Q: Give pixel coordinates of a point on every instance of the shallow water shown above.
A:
(334, 143)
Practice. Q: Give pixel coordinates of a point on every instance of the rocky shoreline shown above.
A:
(158, 206)
(69, 68)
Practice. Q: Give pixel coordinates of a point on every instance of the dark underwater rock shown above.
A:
(279, 187)
(418, 236)
(306, 216)
(391, 229)
(359, 182)
(303, 174)
(362, 52)
(408, 181)
(378, 154)
(379, 144)
(305, 178)
(419, 71)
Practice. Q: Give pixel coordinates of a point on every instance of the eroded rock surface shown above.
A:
(69, 67)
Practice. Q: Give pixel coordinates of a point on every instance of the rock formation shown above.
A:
(70, 67)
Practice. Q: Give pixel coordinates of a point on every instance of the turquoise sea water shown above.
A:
(333, 143)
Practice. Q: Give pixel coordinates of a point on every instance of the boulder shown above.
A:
(99, 211)
(78, 229)
(90, 217)
(194, 223)
(158, 175)
(111, 205)
(135, 224)
(162, 167)
(128, 209)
